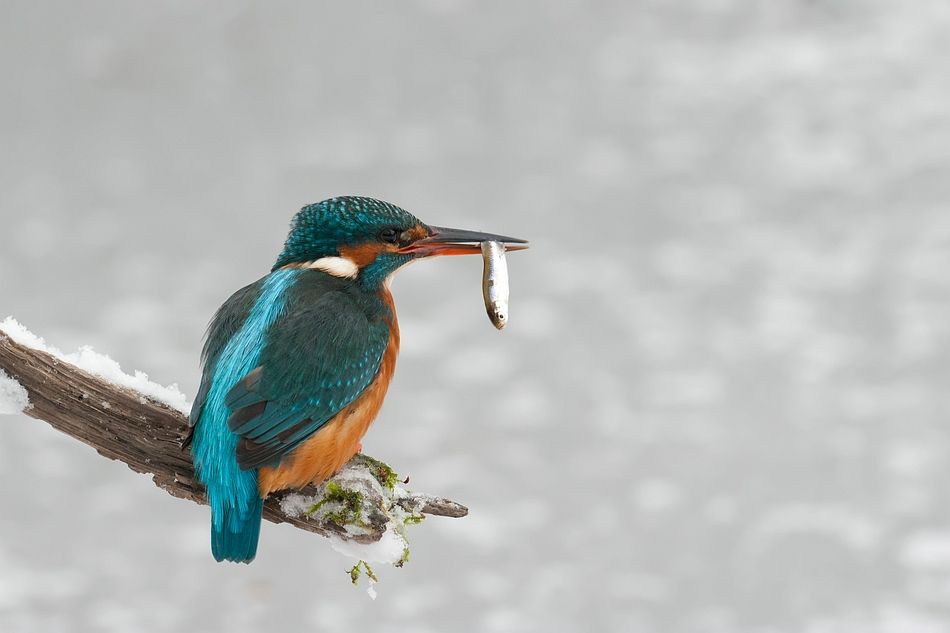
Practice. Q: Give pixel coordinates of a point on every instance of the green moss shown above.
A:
(350, 502)
(358, 568)
(410, 519)
(369, 571)
(385, 475)
(404, 558)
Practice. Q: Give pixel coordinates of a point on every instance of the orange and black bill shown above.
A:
(443, 241)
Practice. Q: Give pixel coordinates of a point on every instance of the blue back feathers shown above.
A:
(232, 493)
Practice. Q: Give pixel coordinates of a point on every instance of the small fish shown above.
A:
(495, 283)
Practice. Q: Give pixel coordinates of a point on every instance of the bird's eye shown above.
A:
(390, 235)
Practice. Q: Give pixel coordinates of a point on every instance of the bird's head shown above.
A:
(368, 239)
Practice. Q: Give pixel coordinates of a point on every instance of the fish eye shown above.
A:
(389, 234)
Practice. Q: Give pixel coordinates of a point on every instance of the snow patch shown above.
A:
(13, 397)
(100, 365)
(296, 505)
(388, 549)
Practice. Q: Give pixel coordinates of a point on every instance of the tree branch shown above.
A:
(359, 504)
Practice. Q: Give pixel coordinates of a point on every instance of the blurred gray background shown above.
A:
(720, 405)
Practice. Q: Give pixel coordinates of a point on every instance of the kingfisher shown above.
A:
(295, 366)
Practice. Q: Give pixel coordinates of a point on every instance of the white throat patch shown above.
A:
(337, 266)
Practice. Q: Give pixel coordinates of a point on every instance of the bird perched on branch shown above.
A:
(296, 365)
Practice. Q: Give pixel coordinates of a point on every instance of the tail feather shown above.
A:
(234, 537)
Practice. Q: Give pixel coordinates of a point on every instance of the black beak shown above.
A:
(443, 241)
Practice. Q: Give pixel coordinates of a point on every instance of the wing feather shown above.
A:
(319, 357)
(224, 325)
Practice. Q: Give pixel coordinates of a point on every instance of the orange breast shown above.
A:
(319, 457)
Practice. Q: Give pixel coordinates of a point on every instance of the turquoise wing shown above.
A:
(318, 358)
(224, 325)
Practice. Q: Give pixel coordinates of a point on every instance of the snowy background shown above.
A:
(720, 406)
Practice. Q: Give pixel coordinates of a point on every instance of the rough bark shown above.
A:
(148, 436)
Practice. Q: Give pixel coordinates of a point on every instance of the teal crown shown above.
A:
(320, 229)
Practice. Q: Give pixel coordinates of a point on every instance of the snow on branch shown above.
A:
(363, 509)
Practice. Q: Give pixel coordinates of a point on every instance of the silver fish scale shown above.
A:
(495, 283)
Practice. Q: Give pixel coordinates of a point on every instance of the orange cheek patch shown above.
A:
(362, 254)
